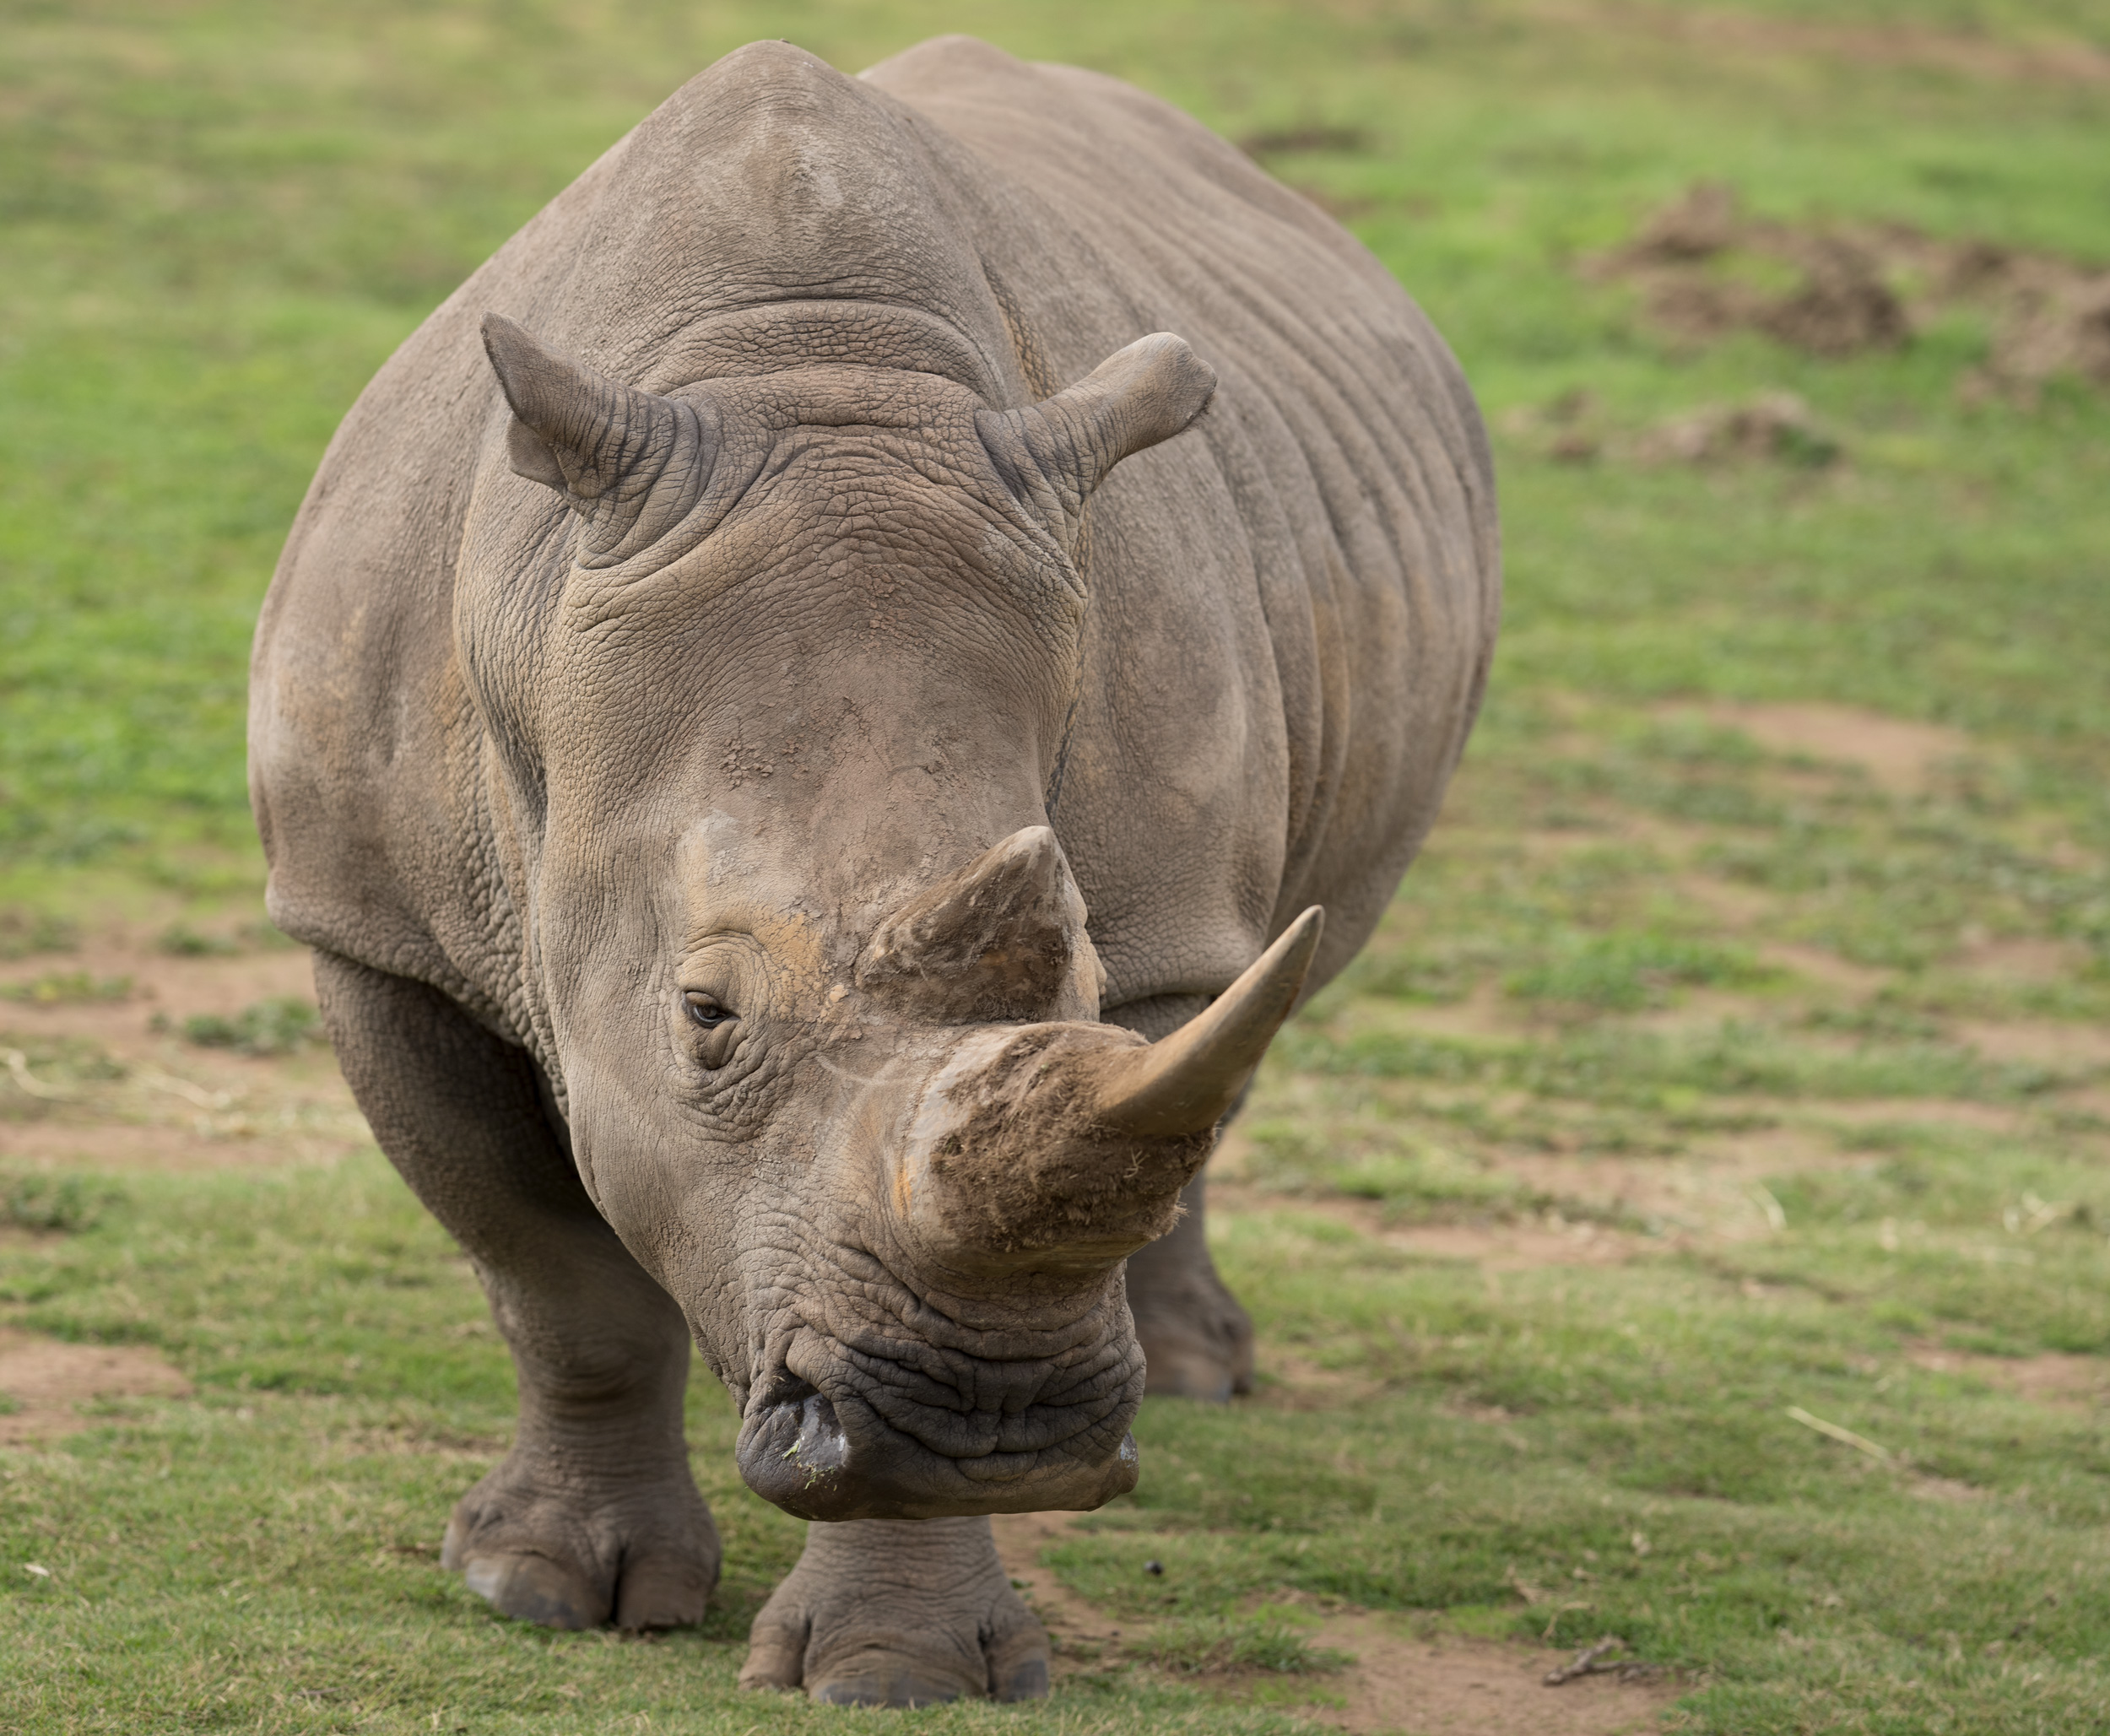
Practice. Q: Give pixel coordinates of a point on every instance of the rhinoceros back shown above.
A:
(1292, 610)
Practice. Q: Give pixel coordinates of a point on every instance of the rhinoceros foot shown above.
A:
(1198, 1347)
(882, 1612)
(641, 1554)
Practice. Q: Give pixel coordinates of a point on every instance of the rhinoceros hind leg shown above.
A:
(884, 1612)
(593, 1516)
(1197, 1341)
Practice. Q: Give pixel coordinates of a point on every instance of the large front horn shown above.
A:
(1063, 1148)
(630, 463)
(1189, 1081)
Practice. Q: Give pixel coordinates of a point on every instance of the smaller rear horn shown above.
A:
(1003, 939)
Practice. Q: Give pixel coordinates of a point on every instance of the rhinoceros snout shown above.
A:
(795, 1452)
(792, 1451)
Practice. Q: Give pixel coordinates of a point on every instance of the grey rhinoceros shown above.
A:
(802, 853)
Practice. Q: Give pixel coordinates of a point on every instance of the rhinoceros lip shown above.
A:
(794, 1453)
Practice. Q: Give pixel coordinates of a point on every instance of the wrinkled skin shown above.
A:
(802, 758)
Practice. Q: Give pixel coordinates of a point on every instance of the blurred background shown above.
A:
(1688, 1219)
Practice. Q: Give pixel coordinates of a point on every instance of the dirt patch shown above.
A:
(1346, 141)
(1713, 1192)
(1776, 425)
(1288, 1382)
(268, 1127)
(1895, 753)
(2042, 1042)
(1455, 1686)
(1448, 1685)
(48, 1380)
(2051, 1378)
(1485, 1014)
(1077, 1631)
(111, 1083)
(1517, 1248)
(1887, 45)
(1944, 1489)
(1881, 1111)
(1733, 904)
(1823, 967)
(1773, 424)
(162, 990)
(2024, 960)
(1499, 1246)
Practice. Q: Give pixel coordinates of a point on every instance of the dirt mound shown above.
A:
(2058, 322)
(1705, 268)
(1773, 424)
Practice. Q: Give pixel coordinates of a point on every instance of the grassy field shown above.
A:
(1728, 1086)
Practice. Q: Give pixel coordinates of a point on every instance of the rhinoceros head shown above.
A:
(776, 683)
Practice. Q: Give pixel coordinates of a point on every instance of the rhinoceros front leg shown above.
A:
(896, 1612)
(593, 1516)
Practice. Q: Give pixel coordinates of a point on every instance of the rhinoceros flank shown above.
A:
(810, 716)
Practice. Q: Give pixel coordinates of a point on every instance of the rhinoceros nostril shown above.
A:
(792, 1449)
(785, 1387)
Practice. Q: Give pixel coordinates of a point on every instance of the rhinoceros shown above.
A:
(809, 716)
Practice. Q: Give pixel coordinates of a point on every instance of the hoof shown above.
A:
(646, 1557)
(1202, 1353)
(532, 1588)
(898, 1614)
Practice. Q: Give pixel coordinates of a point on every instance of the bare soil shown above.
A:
(2044, 1041)
(1407, 1676)
(49, 1381)
(176, 1105)
(1888, 45)
(2050, 1378)
(1895, 753)
(2024, 960)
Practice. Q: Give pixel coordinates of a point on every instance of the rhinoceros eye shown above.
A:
(719, 1024)
(704, 1010)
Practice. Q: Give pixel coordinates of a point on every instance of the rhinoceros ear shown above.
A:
(630, 463)
(1054, 453)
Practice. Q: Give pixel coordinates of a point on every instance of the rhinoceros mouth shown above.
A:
(800, 1451)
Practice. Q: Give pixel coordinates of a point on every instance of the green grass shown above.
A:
(282, 1025)
(1645, 956)
(62, 988)
(1616, 1442)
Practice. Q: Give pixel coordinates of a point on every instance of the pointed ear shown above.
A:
(1054, 453)
(630, 463)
